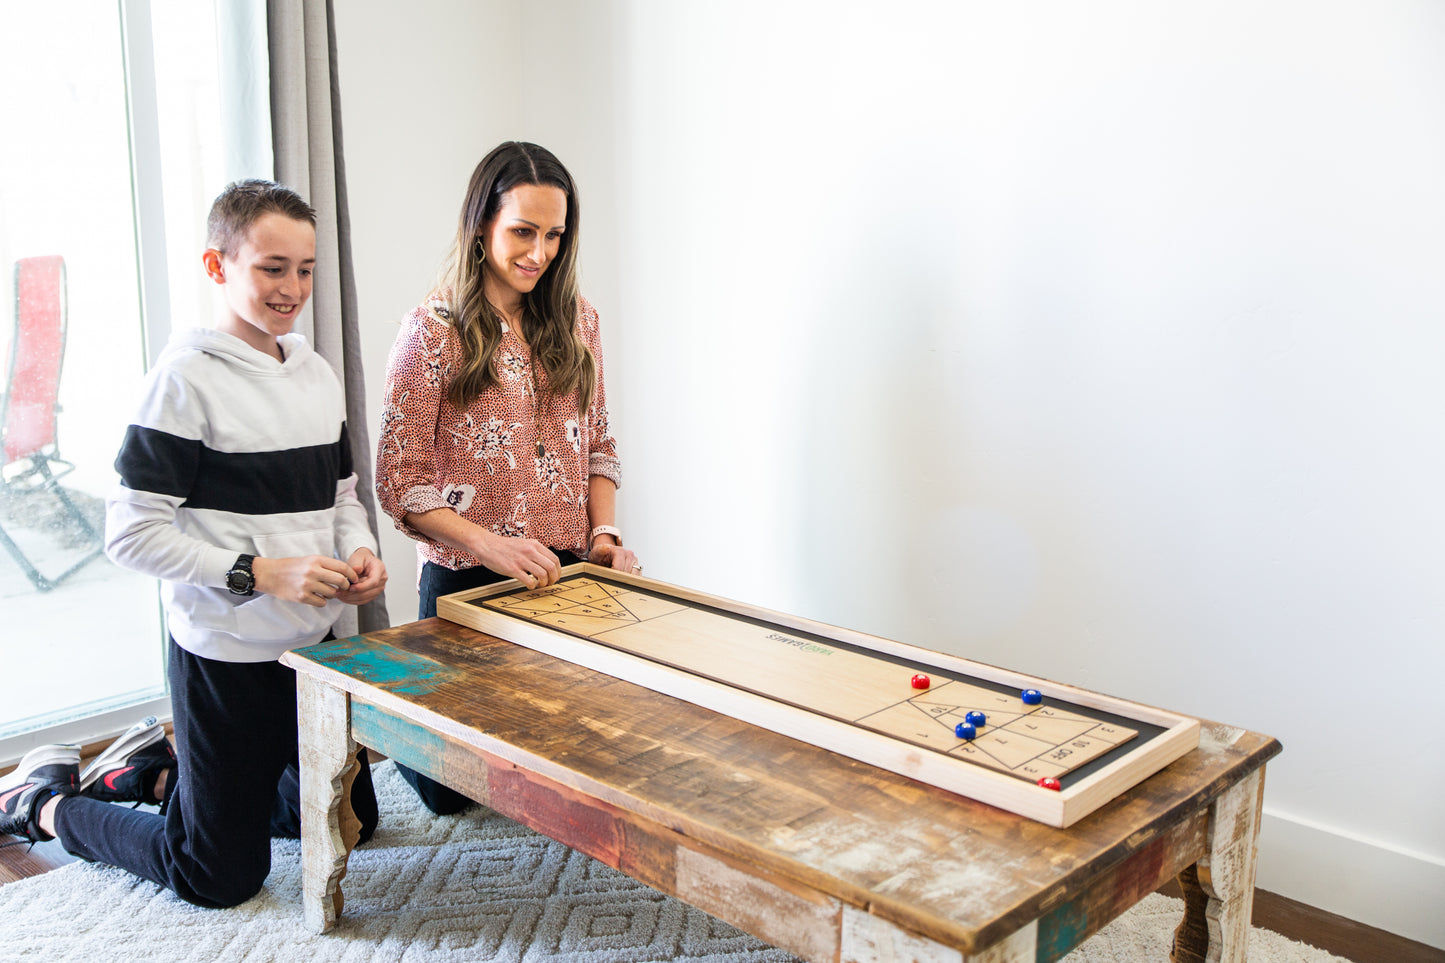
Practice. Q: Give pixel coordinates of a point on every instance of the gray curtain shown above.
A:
(306, 142)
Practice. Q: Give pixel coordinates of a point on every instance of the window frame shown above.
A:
(106, 718)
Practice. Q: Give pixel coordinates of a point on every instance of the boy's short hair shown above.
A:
(242, 202)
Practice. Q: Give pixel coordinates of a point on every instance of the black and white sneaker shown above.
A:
(44, 771)
(127, 770)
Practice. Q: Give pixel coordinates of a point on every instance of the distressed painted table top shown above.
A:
(634, 776)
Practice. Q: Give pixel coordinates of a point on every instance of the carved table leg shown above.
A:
(1219, 889)
(329, 828)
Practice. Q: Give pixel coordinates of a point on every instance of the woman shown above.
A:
(495, 452)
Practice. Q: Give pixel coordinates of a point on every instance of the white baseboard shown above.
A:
(1366, 881)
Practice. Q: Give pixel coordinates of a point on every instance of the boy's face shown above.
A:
(266, 280)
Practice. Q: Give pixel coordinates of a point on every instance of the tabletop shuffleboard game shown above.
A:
(1047, 751)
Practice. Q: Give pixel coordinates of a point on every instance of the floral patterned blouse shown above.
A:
(514, 461)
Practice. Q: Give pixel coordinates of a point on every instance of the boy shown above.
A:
(237, 491)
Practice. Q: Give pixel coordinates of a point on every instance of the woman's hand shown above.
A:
(601, 510)
(524, 559)
(612, 555)
(371, 578)
(308, 579)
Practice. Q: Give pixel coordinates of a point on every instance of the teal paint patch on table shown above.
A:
(424, 750)
(381, 665)
(1060, 930)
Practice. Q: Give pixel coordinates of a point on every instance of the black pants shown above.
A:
(437, 581)
(236, 786)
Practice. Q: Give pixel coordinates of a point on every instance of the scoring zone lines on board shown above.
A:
(1029, 741)
(586, 608)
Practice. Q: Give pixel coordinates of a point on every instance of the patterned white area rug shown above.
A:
(476, 887)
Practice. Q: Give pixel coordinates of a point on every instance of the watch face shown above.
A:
(240, 580)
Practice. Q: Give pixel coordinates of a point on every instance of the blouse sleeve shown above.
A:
(602, 447)
(417, 373)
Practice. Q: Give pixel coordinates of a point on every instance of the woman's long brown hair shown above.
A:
(549, 310)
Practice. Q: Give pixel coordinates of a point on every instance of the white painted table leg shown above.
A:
(1221, 887)
(329, 828)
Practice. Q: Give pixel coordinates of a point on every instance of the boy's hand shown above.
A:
(371, 578)
(310, 579)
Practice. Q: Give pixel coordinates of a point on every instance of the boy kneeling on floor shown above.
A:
(237, 491)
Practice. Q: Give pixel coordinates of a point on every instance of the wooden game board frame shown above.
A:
(1061, 809)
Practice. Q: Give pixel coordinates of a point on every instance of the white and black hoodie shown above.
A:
(235, 452)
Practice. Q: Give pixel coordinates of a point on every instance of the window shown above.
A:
(110, 166)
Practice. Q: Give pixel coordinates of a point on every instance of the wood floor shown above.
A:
(1334, 934)
(19, 862)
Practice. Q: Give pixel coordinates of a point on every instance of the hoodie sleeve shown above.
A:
(158, 462)
(353, 528)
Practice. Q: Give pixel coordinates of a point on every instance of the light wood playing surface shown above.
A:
(841, 690)
(824, 676)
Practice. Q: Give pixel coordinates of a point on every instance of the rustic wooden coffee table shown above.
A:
(830, 858)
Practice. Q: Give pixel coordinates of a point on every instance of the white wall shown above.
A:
(420, 104)
(1098, 341)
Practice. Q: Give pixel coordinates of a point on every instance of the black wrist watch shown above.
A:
(240, 579)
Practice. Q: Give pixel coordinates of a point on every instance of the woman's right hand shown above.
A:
(524, 559)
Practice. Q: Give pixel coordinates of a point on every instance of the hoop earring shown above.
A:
(481, 251)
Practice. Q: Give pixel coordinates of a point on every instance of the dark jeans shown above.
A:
(437, 581)
(236, 786)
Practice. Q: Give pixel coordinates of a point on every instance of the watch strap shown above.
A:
(605, 530)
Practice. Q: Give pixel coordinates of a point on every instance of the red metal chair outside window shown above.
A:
(29, 409)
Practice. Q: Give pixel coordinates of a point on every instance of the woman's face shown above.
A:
(521, 241)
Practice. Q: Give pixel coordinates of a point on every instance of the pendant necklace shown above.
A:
(516, 328)
(536, 427)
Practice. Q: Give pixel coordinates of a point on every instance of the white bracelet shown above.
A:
(604, 530)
